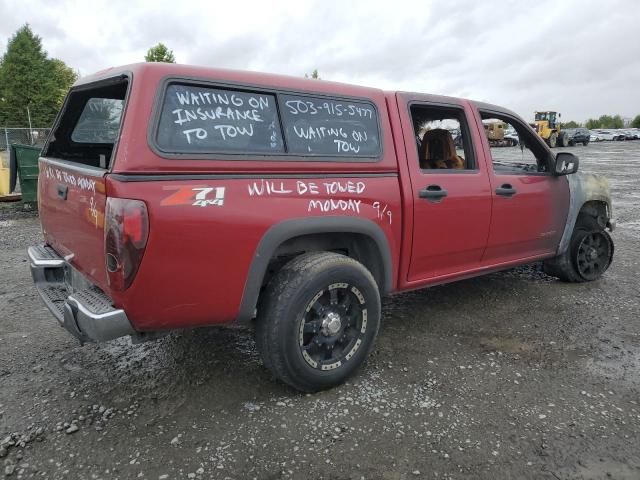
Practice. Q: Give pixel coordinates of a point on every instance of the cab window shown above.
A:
(514, 147)
(442, 139)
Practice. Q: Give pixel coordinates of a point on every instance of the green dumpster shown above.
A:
(26, 159)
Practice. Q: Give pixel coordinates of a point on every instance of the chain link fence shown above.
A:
(23, 136)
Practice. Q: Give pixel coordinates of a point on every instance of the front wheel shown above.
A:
(553, 140)
(564, 140)
(318, 321)
(589, 254)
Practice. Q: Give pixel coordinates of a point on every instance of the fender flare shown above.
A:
(288, 229)
(583, 188)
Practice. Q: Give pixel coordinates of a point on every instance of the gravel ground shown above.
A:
(512, 375)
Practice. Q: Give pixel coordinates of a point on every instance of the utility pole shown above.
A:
(30, 129)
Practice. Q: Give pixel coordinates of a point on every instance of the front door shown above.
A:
(450, 189)
(530, 204)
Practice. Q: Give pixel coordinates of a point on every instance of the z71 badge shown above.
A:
(196, 196)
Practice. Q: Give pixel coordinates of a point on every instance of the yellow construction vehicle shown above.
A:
(497, 134)
(547, 124)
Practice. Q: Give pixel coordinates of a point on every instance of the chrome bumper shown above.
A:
(84, 310)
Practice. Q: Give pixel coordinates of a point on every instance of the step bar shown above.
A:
(86, 312)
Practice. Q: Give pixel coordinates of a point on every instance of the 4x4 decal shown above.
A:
(195, 196)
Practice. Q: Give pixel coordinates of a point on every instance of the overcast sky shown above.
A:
(581, 58)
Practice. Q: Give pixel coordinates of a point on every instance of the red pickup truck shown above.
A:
(174, 196)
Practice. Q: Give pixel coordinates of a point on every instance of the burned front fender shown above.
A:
(585, 188)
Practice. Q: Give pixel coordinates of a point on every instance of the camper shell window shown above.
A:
(89, 125)
(217, 121)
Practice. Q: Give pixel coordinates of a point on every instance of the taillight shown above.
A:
(126, 229)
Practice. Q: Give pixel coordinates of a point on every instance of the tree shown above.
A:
(592, 123)
(313, 75)
(64, 78)
(617, 122)
(160, 53)
(605, 121)
(30, 80)
(571, 124)
(635, 123)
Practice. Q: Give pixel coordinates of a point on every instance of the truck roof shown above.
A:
(241, 76)
(261, 79)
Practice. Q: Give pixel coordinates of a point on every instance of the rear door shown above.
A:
(451, 195)
(71, 187)
(530, 204)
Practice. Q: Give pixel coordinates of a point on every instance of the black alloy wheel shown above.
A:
(317, 320)
(333, 326)
(593, 254)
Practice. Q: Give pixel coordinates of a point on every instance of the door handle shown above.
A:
(433, 193)
(62, 190)
(506, 190)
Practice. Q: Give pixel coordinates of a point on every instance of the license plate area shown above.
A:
(74, 280)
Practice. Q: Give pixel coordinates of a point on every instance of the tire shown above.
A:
(585, 143)
(564, 140)
(572, 143)
(553, 140)
(576, 264)
(318, 321)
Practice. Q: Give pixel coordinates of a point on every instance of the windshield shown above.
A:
(550, 116)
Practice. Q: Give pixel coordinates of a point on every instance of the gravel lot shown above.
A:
(513, 375)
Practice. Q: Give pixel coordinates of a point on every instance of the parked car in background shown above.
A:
(578, 135)
(511, 134)
(606, 135)
(631, 134)
(614, 134)
(618, 135)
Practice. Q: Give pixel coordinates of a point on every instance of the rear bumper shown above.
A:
(80, 307)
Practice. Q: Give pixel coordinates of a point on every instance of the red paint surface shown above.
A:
(74, 227)
(196, 262)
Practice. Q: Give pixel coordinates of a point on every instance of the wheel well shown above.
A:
(358, 246)
(596, 209)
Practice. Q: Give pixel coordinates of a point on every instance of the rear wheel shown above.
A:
(318, 321)
(589, 254)
(553, 140)
(585, 143)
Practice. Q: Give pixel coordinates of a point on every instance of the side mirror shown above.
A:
(566, 163)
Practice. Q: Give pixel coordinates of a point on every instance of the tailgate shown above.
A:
(72, 201)
(73, 169)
